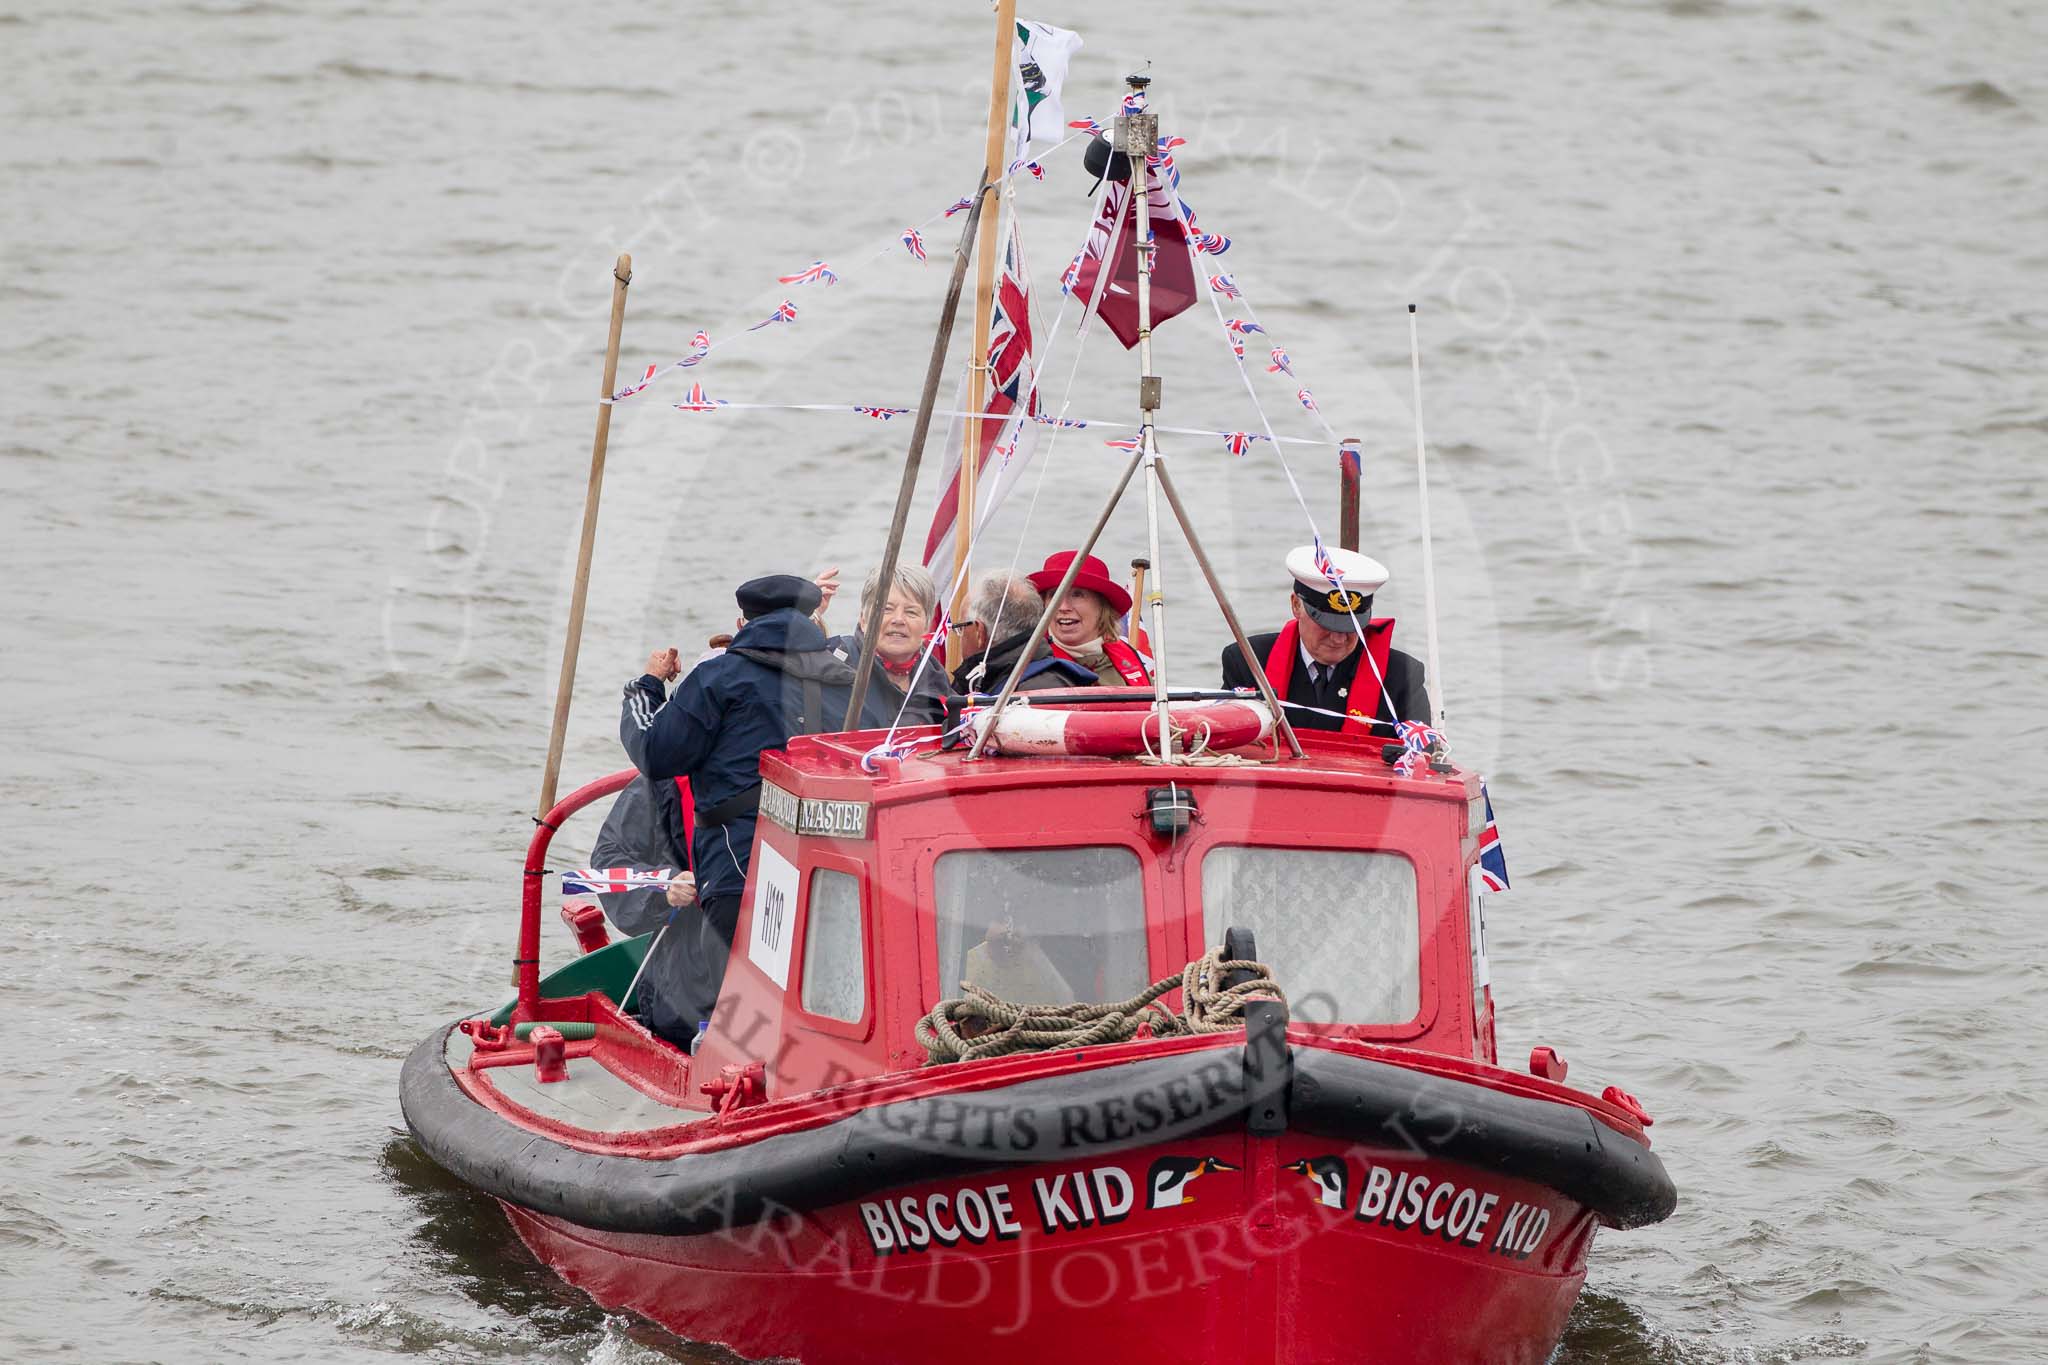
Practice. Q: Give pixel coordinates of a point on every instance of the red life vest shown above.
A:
(1366, 683)
(1129, 664)
(689, 816)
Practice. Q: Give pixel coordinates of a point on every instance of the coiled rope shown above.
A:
(978, 1025)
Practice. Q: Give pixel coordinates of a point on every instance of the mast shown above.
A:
(995, 158)
(1137, 136)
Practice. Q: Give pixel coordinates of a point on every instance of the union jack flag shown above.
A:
(1012, 394)
(880, 414)
(1237, 347)
(1071, 276)
(811, 274)
(593, 881)
(935, 638)
(1225, 286)
(960, 205)
(1281, 364)
(1238, 442)
(1020, 164)
(1493, 862)
(1167, 144)
(632, 389)
(1086, 123)
(1308, 400)
(1072, 423)
(1126, 443)
(1213, 242)
(701, 342)
(1327, 567)
(1134, 102)
(784, 312)
(1243, 328)
(696, 401)
(700, 347)
(913, 242)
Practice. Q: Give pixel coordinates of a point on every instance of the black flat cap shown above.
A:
(759, 596)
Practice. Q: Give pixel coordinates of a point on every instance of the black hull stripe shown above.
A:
(1049, 1120)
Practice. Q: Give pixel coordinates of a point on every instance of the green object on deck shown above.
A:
(571, 1032)
(610, 969)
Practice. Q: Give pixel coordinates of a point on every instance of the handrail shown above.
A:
(526, 965)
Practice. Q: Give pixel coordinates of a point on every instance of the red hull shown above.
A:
(1254, 1267)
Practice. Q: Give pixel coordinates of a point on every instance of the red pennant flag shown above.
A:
(1115, 228)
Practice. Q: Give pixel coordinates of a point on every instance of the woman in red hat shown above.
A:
(1085, 624)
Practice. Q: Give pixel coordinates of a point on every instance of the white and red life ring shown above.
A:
(1118, 731)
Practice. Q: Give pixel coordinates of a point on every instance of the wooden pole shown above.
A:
(1138, 567)
(1347, 497)
(994, 160)
(565, 686)
(871, 629)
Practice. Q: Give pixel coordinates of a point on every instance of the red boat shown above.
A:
(1291, 1141)
(1350, 1177)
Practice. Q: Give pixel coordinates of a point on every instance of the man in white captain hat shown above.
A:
(1334, 663)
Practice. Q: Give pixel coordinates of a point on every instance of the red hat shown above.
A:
(1094, 576)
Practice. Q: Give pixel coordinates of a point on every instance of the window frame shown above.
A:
(863, 1028)
(1157, 950)
(1427, 969)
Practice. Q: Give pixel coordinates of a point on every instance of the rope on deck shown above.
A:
(977, 1025)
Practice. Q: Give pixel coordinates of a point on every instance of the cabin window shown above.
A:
(1042, 926)
(835, 975)
(1334, 922)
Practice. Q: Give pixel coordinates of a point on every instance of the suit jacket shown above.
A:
(1404, 686)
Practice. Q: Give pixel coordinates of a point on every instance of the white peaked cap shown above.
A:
(1361, 573)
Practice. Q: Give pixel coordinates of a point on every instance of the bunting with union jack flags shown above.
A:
(696, 401)
(913, 242)
(1238, 442)
(597, 881)
(817, 272)
(784, 312)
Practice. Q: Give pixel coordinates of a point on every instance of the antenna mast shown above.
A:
(1137, 137)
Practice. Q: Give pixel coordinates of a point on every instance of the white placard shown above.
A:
(775, 884)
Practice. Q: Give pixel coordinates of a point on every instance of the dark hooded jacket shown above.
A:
(1043, 672)
(927, 700)
(775, 680)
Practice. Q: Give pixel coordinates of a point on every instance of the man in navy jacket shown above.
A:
(775, 679)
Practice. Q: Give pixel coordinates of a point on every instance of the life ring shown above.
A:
(1117, 732)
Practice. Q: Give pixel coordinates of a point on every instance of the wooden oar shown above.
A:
(565, 686)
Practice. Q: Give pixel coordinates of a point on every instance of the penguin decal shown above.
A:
(1168, 1180)
(1330, 1176)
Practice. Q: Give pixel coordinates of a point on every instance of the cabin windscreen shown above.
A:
(1336, 923)
(1042, 926)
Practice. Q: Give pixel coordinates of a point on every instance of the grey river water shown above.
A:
(1735, 323)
